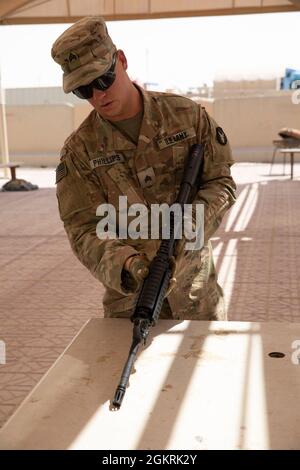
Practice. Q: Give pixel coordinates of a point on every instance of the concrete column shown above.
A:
(3, 131)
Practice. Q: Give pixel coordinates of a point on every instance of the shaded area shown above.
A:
(46, 295)
(257, 248)
(209, 391)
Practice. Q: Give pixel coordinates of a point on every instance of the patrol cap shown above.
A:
(84, 52)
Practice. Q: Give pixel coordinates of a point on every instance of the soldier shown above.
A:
(134, 143)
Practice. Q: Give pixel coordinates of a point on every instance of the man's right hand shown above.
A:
(137, 267)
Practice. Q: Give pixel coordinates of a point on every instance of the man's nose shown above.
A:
(98, 93)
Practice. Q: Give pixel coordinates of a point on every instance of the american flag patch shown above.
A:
(61, 171)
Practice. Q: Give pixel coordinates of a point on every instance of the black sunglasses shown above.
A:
(102, 83)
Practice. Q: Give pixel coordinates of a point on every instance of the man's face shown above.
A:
(114, 103)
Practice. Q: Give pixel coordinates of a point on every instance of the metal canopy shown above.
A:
(69, 11)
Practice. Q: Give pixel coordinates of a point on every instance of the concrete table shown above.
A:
(198, 385)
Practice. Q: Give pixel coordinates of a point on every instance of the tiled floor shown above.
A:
(46, 295)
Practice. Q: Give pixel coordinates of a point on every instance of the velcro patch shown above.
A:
(178, 137)
(221, 136)
(61, 172)
(146, 177)
(109, 159)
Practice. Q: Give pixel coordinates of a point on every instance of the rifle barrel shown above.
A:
(121, 389)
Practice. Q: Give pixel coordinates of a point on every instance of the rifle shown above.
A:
(154, 288)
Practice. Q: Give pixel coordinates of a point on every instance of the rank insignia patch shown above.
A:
(146, 177)
(221, 136)
(61, 171)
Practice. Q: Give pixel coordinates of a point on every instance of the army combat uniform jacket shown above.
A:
(99, 164)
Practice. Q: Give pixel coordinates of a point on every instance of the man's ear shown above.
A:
(123, 59)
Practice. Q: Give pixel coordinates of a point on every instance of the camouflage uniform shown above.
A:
(98, 164)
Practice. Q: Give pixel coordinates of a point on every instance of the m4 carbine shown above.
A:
(155, 286)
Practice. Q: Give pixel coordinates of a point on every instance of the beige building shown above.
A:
(251, 113)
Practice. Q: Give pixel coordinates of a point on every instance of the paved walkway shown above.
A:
(46, 295)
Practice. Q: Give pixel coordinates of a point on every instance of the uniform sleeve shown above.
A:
(217, 187)
(79, 193)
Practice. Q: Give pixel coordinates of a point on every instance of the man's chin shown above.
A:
(108, 110)
(111, 116)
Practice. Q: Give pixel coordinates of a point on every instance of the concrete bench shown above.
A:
(12, 167)
(15, 184)
(198, 385)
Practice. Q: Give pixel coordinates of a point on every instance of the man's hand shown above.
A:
(173, 279)
(136, 269)
(176, 259)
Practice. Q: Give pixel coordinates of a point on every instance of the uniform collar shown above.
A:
(113, 139)
(152, 119)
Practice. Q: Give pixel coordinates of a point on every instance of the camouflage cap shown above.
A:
(84, 52)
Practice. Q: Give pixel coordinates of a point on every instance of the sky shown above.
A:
(169, 53)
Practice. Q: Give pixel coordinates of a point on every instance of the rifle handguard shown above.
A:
(155, 286)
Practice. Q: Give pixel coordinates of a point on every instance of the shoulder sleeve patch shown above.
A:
(61, 171)
(221, 136)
